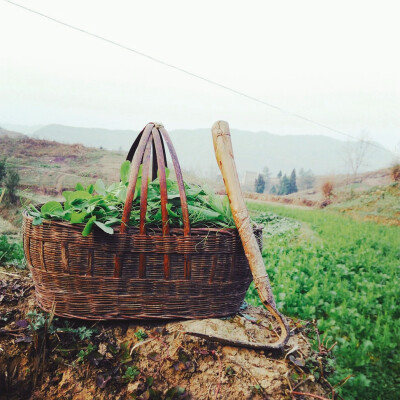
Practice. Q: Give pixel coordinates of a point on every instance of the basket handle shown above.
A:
(153, 135)
(137, 158)
(226, 162)
(134, 147)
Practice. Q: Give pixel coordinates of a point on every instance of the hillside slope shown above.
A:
(52, 167)
(10, 134)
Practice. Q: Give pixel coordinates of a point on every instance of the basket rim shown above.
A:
(134, 229)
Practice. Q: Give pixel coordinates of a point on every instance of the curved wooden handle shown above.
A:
(139, 154)
(226, 162)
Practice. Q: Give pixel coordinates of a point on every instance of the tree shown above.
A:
(284, 187)
(12, 182)
(267, 178)
(292, 182)
(356, 153)
(260, 184)
(2, 170)
(273, 190)
(306, 179)
(279, 176)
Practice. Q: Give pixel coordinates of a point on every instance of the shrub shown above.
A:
(12, 182)
(327, 189)
(395, 173)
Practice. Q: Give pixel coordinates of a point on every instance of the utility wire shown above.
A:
(194, 75)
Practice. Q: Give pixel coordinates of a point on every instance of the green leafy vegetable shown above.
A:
(77, 218)
(88, 227)
(104, 227)
(100, 188)
(124, 171)
(51, 209)
(101, 206)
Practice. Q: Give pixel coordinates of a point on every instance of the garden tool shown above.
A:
(226, 163)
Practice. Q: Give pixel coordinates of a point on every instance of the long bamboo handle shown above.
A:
(226, 162)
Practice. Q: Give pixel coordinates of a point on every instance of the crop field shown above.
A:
(345, 274)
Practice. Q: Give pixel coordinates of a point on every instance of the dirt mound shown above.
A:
(45, 357)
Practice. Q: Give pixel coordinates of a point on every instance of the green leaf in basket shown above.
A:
(105, 228)
(104, 205)
(37, 221)
(124, 171)
(113, 221)
(121, 193)
(204, 213)
(77, 218)
(66, 194)
(52, 208)
(100, 188)
(90, 188)
(88, 227)
(79, 195)
(171, 213)
(33, 210)
(113, 187)
(228, 211)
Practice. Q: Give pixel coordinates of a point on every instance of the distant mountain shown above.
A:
(25, 129)
(253, 150)
(11, 134)
(89, 137)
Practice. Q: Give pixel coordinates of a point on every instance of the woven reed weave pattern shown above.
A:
(138, 273)
(76, 273)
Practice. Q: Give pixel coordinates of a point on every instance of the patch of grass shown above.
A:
(130, 374)
(40, 320)
(379, 203)
(349, 281)
(10, 253)
(141, 335)
(84, 353)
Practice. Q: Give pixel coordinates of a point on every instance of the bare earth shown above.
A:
(170, 362)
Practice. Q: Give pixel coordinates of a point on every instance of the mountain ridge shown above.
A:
(253, 150)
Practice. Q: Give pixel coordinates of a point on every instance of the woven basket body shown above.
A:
(138, 273)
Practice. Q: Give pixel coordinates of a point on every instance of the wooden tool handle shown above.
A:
(226, 162)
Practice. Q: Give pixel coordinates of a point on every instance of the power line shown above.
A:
(194, 75)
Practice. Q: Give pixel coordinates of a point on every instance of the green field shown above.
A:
(345, 274)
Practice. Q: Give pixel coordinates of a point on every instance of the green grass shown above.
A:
(10, 253)
(345, 274)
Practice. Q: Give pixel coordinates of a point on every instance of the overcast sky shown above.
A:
(335, 62)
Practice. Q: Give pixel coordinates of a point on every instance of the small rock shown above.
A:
(102, 349)
(134, 386)
(229, 351)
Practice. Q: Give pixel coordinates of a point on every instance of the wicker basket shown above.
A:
(138, 273)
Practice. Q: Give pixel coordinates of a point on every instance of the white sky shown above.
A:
(336, 62)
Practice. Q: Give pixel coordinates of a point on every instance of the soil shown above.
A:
(47, 357)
